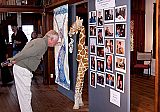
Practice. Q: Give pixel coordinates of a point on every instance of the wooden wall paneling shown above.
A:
(157, 72)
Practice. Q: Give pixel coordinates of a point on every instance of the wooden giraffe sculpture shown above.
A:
(82, 59)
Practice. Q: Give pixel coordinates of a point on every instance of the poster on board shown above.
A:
(103, 4)
(60, 24)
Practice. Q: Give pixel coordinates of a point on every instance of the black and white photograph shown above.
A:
(120, 82)
(110, 79)
(93, 79)
(109, 15)
(109, 46)
(101, 79)
(93, 45)
(93, 62)
(100, 65)
(92, 17)
(120, 30)
(100, 52)
(120, 64)
(100, 37)
(93, 31)
(120, 13)
(120, 47)
(109, 30)
(100, 18)
(109, 62)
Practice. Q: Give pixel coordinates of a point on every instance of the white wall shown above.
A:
(149, 30)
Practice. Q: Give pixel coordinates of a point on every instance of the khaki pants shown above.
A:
(22, 78)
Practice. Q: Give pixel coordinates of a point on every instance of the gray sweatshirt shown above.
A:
(31, 54)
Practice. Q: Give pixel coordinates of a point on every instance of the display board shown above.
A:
(109, 56)
(61, 50)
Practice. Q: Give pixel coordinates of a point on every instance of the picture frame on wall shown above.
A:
(93, 62)
(92, 31)
(93, 17)
(100, 36)
(109, 30)
(109, 63)
(101, 79)
(93, 79)
(120, 47)
(109, 46)
(120, 64)
(120, 82)
(120, 30)
(100, 18)
(93, 45)
(100, 52)
(110, 79)
(108, 15)
(100, 65)
(120, 13)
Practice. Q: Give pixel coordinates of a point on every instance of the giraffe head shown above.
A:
(76, 26)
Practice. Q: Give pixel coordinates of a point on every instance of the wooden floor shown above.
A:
(48, 99)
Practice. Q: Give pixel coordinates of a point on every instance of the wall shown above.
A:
(149, 30)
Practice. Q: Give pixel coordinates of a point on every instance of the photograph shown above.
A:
(120, 64)
(109, 46)
(93, 45)
(109, 15)
(92, 17)
(110, 80)
(109, 30)
(92, 62)
(100, 18)
(100, 79)
(109, 63)
(93, 79)
(120, 47)
(92, 29)
(120, 82)
(100, 37)
(100, 65)
(120, 13)
(100, 52)
(120, 30)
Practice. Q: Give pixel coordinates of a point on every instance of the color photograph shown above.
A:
(100, 18)
(110, 80)
(92, 17)
(109, 62)
(121, 13)
(100, 37)
(109, 46)
(92, 29)
(100, 65)
(120, 47)
(93, 46)
(109, 30)
(100, 52)
(93, 79)
(120, 30)
(100, 79)
(92, 62)
(120, 82)
(120, 64)
(109, 15)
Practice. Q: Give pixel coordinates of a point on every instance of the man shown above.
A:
(19, 39)
(27, 61)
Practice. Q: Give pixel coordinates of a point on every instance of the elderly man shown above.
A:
(27, 61)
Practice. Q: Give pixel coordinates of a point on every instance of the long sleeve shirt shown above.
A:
(31, 54)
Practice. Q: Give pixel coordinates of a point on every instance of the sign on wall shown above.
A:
(103, 4)
(61, 50)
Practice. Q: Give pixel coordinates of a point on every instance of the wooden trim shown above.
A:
(20, 8)
(157, 73)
